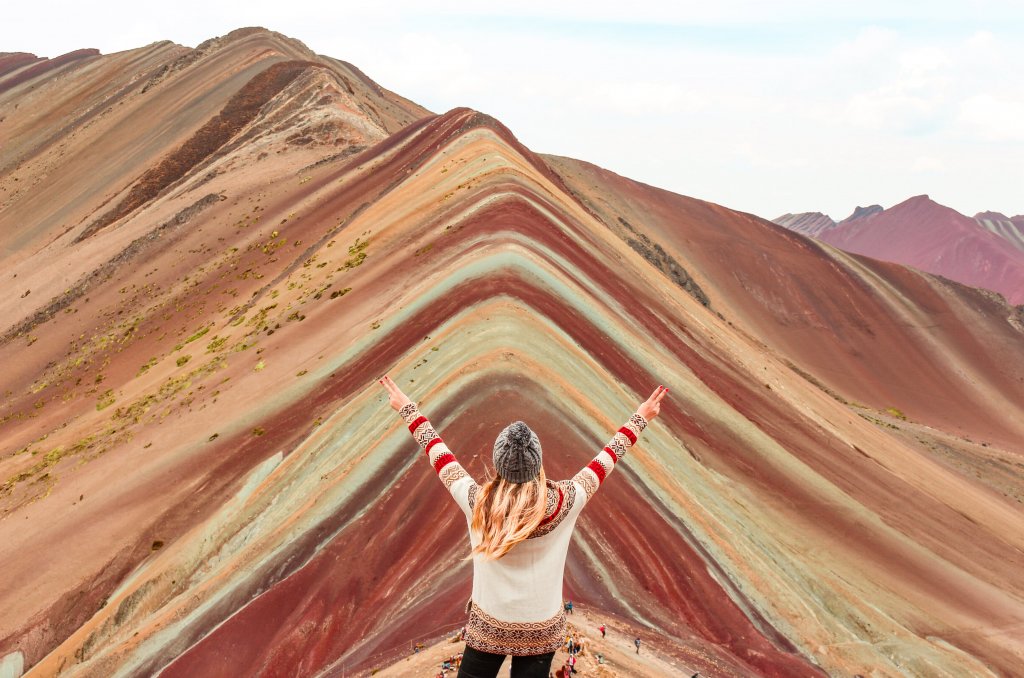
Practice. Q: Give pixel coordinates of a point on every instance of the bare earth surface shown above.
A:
(212, 254)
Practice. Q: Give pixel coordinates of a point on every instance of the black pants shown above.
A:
(477, 664)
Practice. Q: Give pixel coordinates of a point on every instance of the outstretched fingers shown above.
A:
(388, 384)
(658, 394)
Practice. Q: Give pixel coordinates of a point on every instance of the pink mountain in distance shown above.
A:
(1010, 228)
(813, 224)
(921, 233)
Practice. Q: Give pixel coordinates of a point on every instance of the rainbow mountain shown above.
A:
(213, 253)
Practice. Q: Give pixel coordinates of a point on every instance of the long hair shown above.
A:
(506, 513)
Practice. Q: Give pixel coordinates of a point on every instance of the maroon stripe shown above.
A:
(611, 453)
(598, 470)
(443, 460)
(419, 420)
(629, 434)
(433, 441)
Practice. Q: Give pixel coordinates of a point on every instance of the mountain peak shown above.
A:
(861, 212)
(922, 205)
(995, 216)
(922, 199)
(808, 223)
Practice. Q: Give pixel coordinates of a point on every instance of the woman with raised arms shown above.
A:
(520, 523)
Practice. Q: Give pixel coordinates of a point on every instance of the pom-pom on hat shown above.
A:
(517, 456)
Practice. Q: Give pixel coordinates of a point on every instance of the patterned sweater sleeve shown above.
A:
(448, 469)
(593, 474)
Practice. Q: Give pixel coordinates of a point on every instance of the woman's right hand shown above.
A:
(649, 408)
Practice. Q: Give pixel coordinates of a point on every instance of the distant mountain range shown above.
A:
(986, 250)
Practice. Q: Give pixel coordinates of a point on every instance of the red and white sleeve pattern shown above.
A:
(448, 469)
(593, 474)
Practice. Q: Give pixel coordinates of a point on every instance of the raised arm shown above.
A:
(448, 469)
(593, 474)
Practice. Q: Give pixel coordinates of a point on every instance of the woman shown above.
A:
(520, 524)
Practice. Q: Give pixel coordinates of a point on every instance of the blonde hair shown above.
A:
(505, 514)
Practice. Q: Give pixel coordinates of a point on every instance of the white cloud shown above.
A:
(927, 163)
(638, 98)
(889, 108)
(920, 65)
(984, 47)
(869, 43)
(994, 117)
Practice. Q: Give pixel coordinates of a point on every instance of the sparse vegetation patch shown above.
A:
(357, 253)
(105, 400)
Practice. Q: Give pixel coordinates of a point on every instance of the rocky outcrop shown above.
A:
(861, 212)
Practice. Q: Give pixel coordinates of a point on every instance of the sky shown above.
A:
(766, 107)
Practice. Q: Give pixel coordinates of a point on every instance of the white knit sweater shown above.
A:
(516, 606)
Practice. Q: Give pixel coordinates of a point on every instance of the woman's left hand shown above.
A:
(397, 399)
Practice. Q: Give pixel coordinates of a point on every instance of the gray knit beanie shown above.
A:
(517, 453)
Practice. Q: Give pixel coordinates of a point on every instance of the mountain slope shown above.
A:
(1009, 228)
(807, 223)
(875, 332)
(813, 224)
(921, 233)
(84, 142)
(215, 350)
